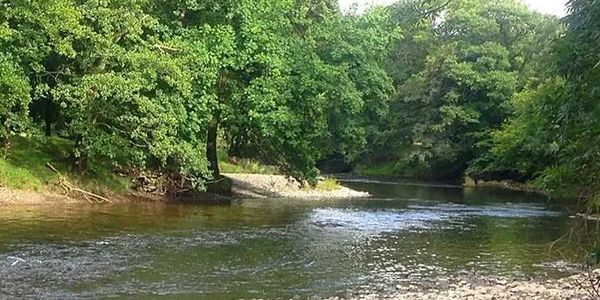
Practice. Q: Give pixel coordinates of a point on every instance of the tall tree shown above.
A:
(14, 99)
(458, 93)
(43, 37)
(554, 134)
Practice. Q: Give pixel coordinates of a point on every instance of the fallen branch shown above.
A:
(70, 188)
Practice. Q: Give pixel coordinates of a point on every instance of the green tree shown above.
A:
(456, 94)
(14, 99)
(555, 120)
(42, 40)
(579, 137)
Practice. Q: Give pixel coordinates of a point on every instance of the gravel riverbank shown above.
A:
(575, 287)
(278, 186)
(244, 185)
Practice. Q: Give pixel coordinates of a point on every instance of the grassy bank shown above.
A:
(246, 166)
(249, 166)
(26, 171)
(24, 166)
(392, 169)
(381, 169)
(505, 184)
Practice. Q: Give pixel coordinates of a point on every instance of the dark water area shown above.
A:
(408, 233)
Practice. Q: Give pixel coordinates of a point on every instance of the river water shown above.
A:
(407, 234)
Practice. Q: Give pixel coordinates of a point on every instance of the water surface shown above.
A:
(408, 234)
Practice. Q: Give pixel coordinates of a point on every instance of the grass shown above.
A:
(244, 166)
(328, 185)
(249, 167)
(325, 185)
(388, 168)
(504, 184)
(23, 166)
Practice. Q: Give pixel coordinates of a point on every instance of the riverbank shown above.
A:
(277, 186)
(37, 171)
(11, 197)
(488, 288)
(505, 184)
(244, 186)
(25, 198)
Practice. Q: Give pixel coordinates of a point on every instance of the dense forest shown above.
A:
(422, 88)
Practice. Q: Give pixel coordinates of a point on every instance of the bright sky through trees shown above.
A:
(554, 7)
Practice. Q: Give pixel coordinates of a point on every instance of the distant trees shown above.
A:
(554, 133)
(456, 68)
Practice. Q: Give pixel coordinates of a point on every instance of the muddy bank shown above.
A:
(9, 197)
(16, 197)
(278, 186)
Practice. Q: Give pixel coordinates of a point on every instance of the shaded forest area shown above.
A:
(422, 88)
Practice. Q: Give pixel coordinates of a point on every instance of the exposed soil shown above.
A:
(28, 198)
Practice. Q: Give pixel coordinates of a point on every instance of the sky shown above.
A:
(554, 7)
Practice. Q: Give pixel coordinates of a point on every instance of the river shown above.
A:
(407, 234)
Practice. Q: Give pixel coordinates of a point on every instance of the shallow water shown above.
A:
(277, 248)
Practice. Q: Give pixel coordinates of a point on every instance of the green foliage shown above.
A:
(528, 142)
(593, 258)
(388, 168)
(464, 64)
(553, 136)
(143, 119)
(150, 85)
(14, 99)
(420, 88)
(578, 136)
(24, 166)
(328, 185)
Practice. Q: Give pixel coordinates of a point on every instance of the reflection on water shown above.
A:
(408, 234)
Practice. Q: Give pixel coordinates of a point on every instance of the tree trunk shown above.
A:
(48, 127)
(48, 116)
(211, 147)
(213, 127)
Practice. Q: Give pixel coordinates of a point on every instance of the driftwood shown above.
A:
(70, 188)
(169, 184)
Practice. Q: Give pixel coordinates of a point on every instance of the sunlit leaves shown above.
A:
(460, 71)
(14, 98)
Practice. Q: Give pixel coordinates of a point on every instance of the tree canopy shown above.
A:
(436, 89)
